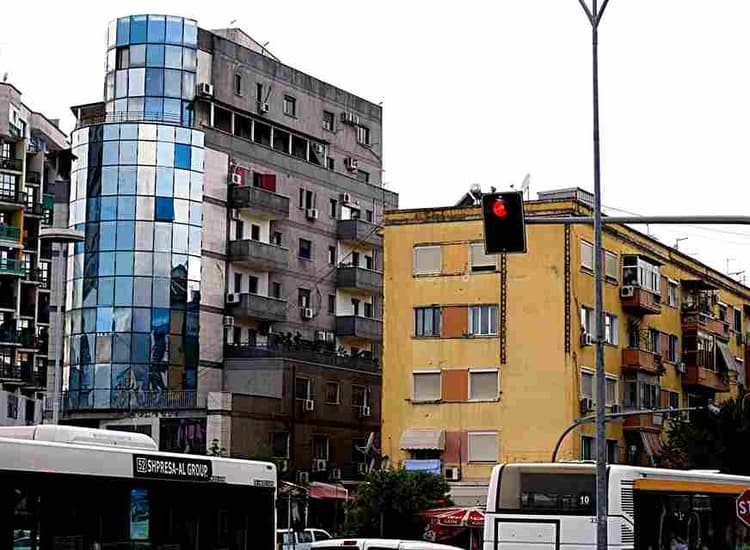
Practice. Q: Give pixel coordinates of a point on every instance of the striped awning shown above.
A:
(414, 439)
(652, 445)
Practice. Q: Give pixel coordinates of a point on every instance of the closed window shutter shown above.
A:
(426, 386)
(479, 258)
(483, 385)
(483, 447)
(455, 384)
(268, 182)
(427, 260)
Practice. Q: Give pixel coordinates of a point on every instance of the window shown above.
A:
(588, 387)
(587, 255)
(333, 393)
(640, 391)
(368, 216)
(302, 388)
(280, 444)
(426, 386)
(331, 304)
(333, 209)
(330, 163)
(363, 135)
(290, 106)
(238, 84)
(305, 249)
(320, 447)
(672, 349)
(483, 320)
(638, 272)
(737, 320)
(673, 401)
(482, 446)
(237, 283)
(276, 289)
(277, 238)
(611, 389)
(673, 293)
(588, 449)
(483, 384)
(259, 92)
(239, 229)
(587, 320)
(122, 60)
(331, 255)
(255, 232)
(252, 284)
(369, 262)
(611, 265)
(479, 260)
(328, 119)
(360, 396)
(427, 260)
(427, 321)
(303, 297)
(12, 406)
(368, 310)
(723, 312)
(363, 176)
(587, 384)
(611, 329)
(654, 341)
(355, 259)
(309, 199)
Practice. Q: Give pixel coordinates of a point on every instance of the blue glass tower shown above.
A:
(133, 287)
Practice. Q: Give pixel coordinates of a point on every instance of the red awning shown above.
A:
(327, 491)
(456, 517)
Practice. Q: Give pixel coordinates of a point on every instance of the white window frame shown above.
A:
(328, 447)
(736, 310)
(587, 324)
(591, 246)
(414, 260)
(612, 322)
(497, 374)
(468, 445)
(672, 284)
(474, 331)
(608, 377)
(607, 256)
(418, 372)
(309, 388)
(338, 393)
(491, 260)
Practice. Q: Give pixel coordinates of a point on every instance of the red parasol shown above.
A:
(456, 517)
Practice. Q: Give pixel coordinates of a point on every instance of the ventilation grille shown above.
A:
(627, 535)
(626, 498)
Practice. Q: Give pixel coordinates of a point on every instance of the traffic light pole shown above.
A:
(595, 15)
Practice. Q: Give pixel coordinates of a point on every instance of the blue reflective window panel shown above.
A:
(123, 316)
(188, 59)
(172, 110)
(104, 319)
(173, 57)
(125, 235)
(165, 154)
(110, 152)
(109, 208)
(160, 320)
(140, 348)
(127, 180)
(154, 108)
(180, 238)
(195, 213)
(161, 292)
(129, 131)
(87, 375)
(128, 152)
(195, 241)
(162, 267)
(93, 210)
(197, 159)
(111, 132)
(123, 31)
(109, 180)
(182, 156)
(126, 208)
(106, 264)
(172, 84)
(154, 86)
(182, 184)
(162, 237)
(164, 178)
(121, 105)
(174, 30)
(191, 34)
(123, 291)
(89, 325)
(164, 209)
(142, 320)
(138, 29)
(182, 135)
(188, 85)
(106, 291)
(140, 374)
(107, 235)
(156, 28)
(121, 348)
(155, 55)
(138, 55)
(124, 264)
(121, 376)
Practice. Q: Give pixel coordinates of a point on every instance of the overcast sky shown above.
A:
(482, 92)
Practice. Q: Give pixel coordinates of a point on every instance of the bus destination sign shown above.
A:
(161, 467)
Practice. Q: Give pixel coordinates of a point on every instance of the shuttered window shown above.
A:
(482, 446)
(483, 384)
(427, 260)
(426, 385)
(481, 261)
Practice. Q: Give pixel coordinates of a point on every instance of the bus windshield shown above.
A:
(536, 491)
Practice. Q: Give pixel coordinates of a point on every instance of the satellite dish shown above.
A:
(475, 188)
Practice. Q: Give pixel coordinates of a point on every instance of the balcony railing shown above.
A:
(131, 400)
(10, 372)
(34, 209)
(258, 307)
(13, 196)
(692, 321)
(258, 199)
(640, 301)
(31, 377)
(359, 327)
(642, 360)
(11, 164)
(128, 116)
(33, 177)
(357, 230)
(9, 232)
(358, 278)
(652, 422)
(9, 336)
(303, 350)
(11, 266)
(706, 379)
(259, 255)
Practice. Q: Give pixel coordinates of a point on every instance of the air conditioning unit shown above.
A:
(587, 405)
(237, 179)
(346, 198)
(233, 298)
(362, 468)
(312, 213)
(614, 409)
(351, 164)
(303, 477)
(336, 474)
(586, 339)
(205, 89)
(263, 107)
(235, 213)
(627, 291)
(319, 465)
(452, 473)
(318, 148)
(365, 410)
(228, 321)
(306, 312)
(681, 367)
(309, 405)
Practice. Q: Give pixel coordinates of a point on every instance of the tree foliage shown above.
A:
(392, 500)
(711, 441)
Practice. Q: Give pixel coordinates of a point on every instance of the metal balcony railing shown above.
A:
(131, 400)
(9, 232)
(11, 164)
(12, 266)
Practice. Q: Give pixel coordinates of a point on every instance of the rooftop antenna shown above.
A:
(729, 260)
(5, 76)
(476, 192)
(232, 22)
(525, 185)
(677, 242)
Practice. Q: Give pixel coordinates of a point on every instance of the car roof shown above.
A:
(393, 543)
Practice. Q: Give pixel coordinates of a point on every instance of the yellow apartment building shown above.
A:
(489, 359)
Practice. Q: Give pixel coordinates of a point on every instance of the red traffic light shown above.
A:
(499, 209)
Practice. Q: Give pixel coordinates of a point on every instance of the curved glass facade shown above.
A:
(133, 288)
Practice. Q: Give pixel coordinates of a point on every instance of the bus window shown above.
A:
(534, 490)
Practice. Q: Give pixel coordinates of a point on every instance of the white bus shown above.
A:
(553, 506)
(68, 488)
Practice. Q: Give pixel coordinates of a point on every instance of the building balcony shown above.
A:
(702, 378)
(11, 374)
(693, 321)
(258, 256)
(35, 210)
(33, 177)
(305, 351)
(12, 199)
(255, 306)
(12, 267)
(130, 400)
(259, 201)
(358, 231)
(15, 165)
(33, 379)
(642, 360)
(354, 326)
(651, 422)
(10, 233)
(639, 301)
(358, 278)
(10, 337)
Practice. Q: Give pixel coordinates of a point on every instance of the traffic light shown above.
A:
(504, 227)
